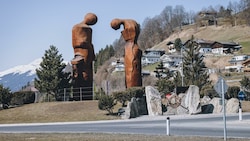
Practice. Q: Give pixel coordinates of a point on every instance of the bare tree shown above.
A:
(179, 16)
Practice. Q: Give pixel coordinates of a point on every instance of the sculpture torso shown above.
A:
(133, 54)
(84, 56)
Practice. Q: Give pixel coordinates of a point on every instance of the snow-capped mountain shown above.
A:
(17, 77)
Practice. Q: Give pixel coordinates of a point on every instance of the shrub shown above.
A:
(232, 92)
(121, 96)
(5, 96)
(136, 92)
(20, 98)
(107, 103)
(124, 96)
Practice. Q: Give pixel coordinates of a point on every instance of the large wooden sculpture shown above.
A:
(132, 59)
(84, 57)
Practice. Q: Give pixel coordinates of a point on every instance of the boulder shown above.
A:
(216, 102)
(192, 100)
(153, 98)
(132, 109)
(232, 105)
(182, 109)
(205, 100)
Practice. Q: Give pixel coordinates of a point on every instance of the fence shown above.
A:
(75, 94)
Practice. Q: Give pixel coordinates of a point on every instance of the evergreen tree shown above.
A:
(177, 79)
(178, 44)
(51, 76)
(104, 55)
(194, 68)
(164, 83)
(5, 95)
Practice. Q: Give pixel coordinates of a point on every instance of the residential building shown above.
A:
(151, 56)
(171, 47)
(171, 60)
(246, 65)
(118, 65)
(225, 47)
(215, 47)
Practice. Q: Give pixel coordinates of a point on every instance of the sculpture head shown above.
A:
(116, 23)
(90, 19)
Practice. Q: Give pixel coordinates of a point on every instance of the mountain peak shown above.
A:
(31, 68)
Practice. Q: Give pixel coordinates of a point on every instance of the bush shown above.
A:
(20, 98)
(5, 96)
(165, 86)
(124, 96)
(107, 103)
(232, 92)
(136, 92)
(121, 96)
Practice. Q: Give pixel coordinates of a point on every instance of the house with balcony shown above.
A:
(118, 65)
(246, 65)
(204, 45)
(151, 56)
(215, 47)
(171, 60)
(171, 47)
(225, 47)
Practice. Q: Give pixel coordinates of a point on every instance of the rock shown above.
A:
(153, 98)
(182, 109)
(131, 110)
(232, 105)
(205, 100)
(207, 109)
(142, 105)
(192, 100)
(216, 103)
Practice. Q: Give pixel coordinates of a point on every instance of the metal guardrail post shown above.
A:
(168, 126)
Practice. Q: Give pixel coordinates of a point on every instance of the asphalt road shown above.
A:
(188, 125)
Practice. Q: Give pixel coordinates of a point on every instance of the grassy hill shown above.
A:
(222, 33)
(63, 112)
(226, 33)
(55, 112)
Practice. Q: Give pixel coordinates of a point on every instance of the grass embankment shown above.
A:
(105, 137)
(55, 112)
(64, 112)
(79, 111)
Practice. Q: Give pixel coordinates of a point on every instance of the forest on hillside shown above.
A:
(156, 29)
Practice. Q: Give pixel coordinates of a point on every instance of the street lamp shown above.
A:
(182, 75)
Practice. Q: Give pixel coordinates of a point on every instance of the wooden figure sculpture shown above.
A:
(84, 57)
(133, 54)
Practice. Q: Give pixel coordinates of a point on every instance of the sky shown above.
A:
(29, 27)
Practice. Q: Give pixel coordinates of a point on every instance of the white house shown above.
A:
(118, 65)
(171, 60)
(151, 56)
(171, 47)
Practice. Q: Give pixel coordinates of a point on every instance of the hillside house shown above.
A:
(171, 60)
(225, 47)
(151, 56)
(207, 18)
(238, 59)
(118, 65)
(171, 47)
(205, 45)
(236, 62)
(215, 47)
(246, 65)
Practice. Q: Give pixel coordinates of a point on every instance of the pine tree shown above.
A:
(178, 44)
(51, 76)
(5, 96)
(194, 68)
(164, 83)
